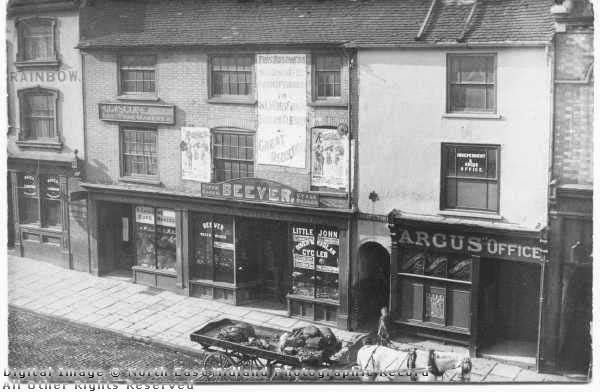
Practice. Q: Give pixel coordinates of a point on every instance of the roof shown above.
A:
(15, 7)
(359, 23)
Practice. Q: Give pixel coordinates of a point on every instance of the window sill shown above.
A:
(155, 271)
(52, 63)
(40, 144)
(303, 298)
(136, 97)
(483, 116)
(233, 100)
(328, 103)
(30, 228)
(141, 180)
(469, 214)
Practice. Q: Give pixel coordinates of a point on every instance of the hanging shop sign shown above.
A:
(505, 247)
(195, 154)
(139, 113)
(259, 190)
(329, 158)
(303, 241)
(282, 113)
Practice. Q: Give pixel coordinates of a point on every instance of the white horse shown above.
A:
(381, 363)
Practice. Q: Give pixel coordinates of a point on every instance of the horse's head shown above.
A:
(465, 369)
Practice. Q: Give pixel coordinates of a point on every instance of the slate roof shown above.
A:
(361, 23)
(14, 7)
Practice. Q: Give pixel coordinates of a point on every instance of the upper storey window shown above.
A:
(138, 75)
(231, 76)
(37, 42)
(328, 75)
(39, 125)
(471, 83)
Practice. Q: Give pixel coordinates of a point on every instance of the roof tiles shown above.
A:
(363, 23)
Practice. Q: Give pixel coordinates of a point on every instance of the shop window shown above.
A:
(471, 85)
(470, 177)
(38, 114)
(138, 74)
(315, 256)
(36, 41)
(231, 75)
(233, 155)
(213, 248)
(328, 75)
(156, 238)
(139, 156)
(40, 201)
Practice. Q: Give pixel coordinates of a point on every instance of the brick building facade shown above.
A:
(567, 339)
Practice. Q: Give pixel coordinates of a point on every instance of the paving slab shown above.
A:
(507, 371)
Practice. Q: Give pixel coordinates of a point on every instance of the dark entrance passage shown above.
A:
(509, 310)
(116, 248)
(374, 283)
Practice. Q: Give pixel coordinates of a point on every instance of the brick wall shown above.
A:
(573, 111)
(182, 81)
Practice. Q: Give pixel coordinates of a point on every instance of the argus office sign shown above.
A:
(486, 246)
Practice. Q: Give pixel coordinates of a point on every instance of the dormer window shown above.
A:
(37, 44)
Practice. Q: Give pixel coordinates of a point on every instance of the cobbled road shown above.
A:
(40, 342)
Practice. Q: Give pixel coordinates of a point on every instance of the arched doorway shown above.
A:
(374, 283)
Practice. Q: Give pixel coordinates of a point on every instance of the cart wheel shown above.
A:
(218, 364)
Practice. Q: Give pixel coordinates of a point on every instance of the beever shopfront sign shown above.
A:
(139, 113)
(485, 246)
(259, 190)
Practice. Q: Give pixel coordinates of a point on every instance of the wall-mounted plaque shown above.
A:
(138, 113)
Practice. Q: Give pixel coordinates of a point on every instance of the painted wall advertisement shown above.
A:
(329, 158)
(281, 93)
(195, 154)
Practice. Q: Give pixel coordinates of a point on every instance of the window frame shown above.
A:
(23, 139)
(22, 61)
(141, 177)
(41, 182)
(231, 131)
(231, 98)
(153, 96)
(444, 177)
(315, 80)
(449, 83)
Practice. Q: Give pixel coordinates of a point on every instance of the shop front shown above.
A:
(468, 285)
(45, 215)
(281, 254)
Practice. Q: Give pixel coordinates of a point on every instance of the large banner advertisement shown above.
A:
(281, 93)
(329, 159)
(195, 154)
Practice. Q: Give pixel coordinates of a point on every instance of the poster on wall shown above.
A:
(195, 154)
(327, 250)
(281, 93)
(329, 159)
(303, 241)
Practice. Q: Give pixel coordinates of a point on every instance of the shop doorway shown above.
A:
(265, 244)
(116, 249)
(374, 283)
(509, 311)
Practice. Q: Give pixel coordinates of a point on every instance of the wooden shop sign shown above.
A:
(138, 113)
(485, 246)
(259, 190)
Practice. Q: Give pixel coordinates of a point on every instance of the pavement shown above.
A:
(156, 316)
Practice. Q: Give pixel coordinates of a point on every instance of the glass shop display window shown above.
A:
(156, 238)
